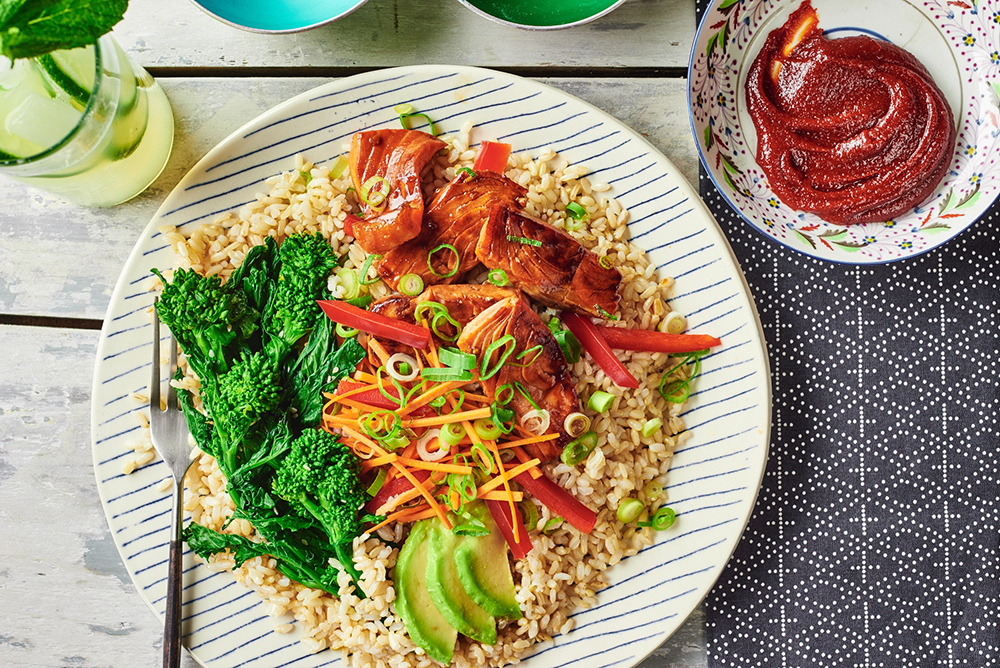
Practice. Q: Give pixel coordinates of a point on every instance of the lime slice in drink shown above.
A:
(72, 72)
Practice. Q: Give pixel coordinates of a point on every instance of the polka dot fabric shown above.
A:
(876, 534)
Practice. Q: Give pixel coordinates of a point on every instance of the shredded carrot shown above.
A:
(379, 349)
(438, 390)
(500, 495)
(402, 469)
(493, 483)
(528, 441)
(369, 464)
(421, 512)
(334, 398)
(435, 466)
(448, 418)
(522, 457)
(364, 377)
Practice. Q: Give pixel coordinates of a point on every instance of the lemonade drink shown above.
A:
(83, 123)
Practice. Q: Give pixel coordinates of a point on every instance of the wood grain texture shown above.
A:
(61, 260)
(66, 597)
(383, 33)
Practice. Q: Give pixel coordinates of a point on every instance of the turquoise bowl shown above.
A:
(544, 15)
(277, 16)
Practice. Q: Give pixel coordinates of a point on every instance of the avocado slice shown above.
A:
(425, 624)
(447, 592)
(484, 571)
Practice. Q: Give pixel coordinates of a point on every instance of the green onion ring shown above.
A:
(498, 395)
(345, 332)
(663, 518)
(365, 267)
(377, 483)
(576, 212)
(411, 285)
(375, 191)
(395, 383)
(403, 117)
(485, 370)
(487, 429)
(629, 510)
(458, 260)
(338, 167)
(498, 277)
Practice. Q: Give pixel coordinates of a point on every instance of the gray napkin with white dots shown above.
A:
(876, 534)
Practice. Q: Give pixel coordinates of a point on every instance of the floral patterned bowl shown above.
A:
(957, 41)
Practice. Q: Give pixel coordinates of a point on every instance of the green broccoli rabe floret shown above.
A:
(319, 478)
(245, 394)
(206, 317)
(291, 311)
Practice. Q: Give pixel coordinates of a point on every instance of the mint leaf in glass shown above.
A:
(30, 28)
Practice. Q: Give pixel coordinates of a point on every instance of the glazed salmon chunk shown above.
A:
(547, 264)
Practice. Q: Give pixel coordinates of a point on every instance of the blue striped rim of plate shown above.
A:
(716, 473)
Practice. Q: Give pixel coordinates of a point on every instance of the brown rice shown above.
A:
(566, 568)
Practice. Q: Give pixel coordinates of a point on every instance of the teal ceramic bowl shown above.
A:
(545, 15)
(277, 16)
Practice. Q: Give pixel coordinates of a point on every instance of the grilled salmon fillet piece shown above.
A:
(455, 215)
(548, 264)
(400, 157)
(542, 372)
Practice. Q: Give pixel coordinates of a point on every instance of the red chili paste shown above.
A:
(851, 129)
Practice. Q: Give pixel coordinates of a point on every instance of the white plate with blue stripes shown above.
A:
(715, 475)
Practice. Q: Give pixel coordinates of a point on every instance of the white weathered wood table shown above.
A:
(65, 597)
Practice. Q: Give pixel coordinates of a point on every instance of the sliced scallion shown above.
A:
(394, 367)
(487, 429)
(576, 212)
(345, 332)
(498, 277)
(600, 401)
(606, 262)
(529, 513)
(452, 433)
(552, 525)
(445, 375)
(505, 345)
(412, 114)
(629, 510)
(663, 518)
(466, 170)
(536, 421)
(576, 424)
(344, 284)
(431, 455)
(377, 483)
(411, 285)
(338, 167)
(451, 272)
(366, 268)
(651, 427)
(456, 359)
(375, 191)
(524, 240)
(653, 489)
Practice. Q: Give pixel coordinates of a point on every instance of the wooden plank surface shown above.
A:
(383, 33)
(65, 596)
(60, 260)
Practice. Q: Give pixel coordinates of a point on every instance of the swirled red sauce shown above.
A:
(851, 129)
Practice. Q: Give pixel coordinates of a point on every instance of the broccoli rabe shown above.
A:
(208, 318)
(291, 311)
(319, 479)
(263, 357)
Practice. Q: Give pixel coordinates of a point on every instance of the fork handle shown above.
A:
(172, 646)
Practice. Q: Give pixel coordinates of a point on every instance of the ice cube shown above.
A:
(10, 76)
(42, 120)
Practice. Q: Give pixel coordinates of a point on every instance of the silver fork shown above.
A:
(169, 433)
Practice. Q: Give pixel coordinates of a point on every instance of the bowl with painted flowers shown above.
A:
(853, 132)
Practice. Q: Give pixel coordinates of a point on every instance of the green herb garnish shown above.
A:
(30, 28)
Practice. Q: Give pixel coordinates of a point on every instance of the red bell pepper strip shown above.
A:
(375, 323)
(394, 487)
(651, 341)
(595, 345)
(500, 510)
(492, 157)
(559, 501)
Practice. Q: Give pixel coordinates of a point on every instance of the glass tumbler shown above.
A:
(87, 124)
